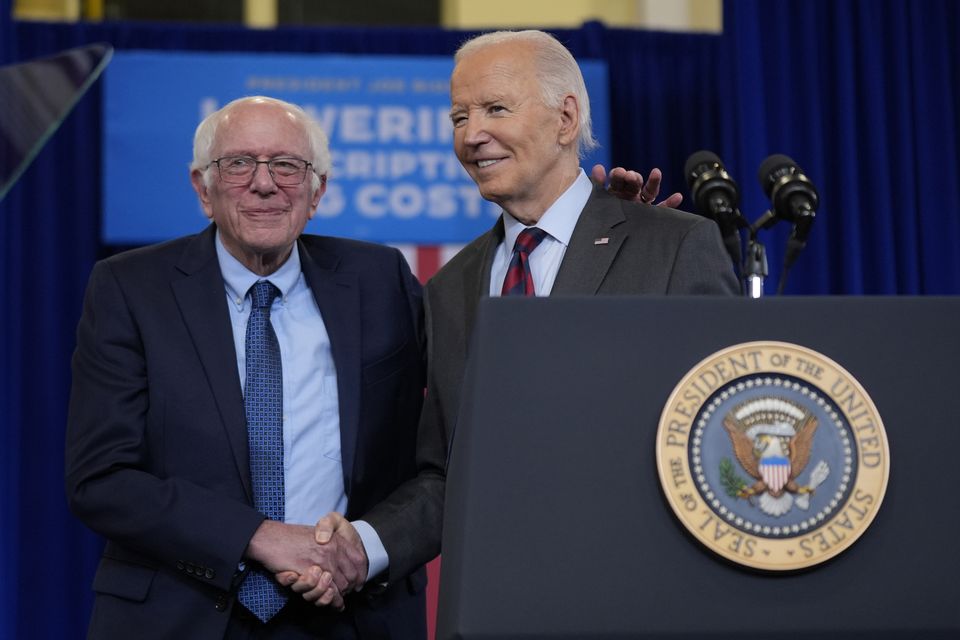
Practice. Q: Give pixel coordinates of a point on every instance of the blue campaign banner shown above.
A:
(394, 179)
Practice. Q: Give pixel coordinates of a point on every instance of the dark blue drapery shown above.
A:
(862, 94)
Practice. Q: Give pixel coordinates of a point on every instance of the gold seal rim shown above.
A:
(878, 480)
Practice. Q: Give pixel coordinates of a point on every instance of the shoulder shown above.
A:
(375, 264)
(348, 249)
(639, 214)
(157, 261)
(647, 220)
(168, 251)
(470, 258)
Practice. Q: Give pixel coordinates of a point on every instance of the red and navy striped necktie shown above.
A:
(519, 281)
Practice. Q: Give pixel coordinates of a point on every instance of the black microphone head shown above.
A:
(698, 162)
(773, 169)
(715, 194)
(791, 193)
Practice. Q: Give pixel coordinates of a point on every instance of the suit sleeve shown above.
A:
(115, 482)
(702, 265)
(410, 520)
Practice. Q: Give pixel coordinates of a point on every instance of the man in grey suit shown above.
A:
(521, 120)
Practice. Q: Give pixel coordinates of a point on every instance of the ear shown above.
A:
(569, 121)
(321, 189)
(196, 179)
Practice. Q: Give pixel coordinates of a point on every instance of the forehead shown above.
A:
(260, 129)
(495, 70)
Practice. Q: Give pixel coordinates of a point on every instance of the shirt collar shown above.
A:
(238, 279)
(558, 220)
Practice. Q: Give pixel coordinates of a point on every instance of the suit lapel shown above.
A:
(202, 301)
(476, 275)
(594, 245)
(338, 297)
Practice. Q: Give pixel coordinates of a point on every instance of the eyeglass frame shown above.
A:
(256, 165)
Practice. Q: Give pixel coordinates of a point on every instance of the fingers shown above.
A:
(318, 586)
(328, 525)
(352, 567)
(286, 578)
(351, 558)
(673, 201)
(598, 174)
(332, 598)
(651, 189)
(626, 185)
(630, 185)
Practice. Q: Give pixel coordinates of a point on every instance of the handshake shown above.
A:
(322, 564)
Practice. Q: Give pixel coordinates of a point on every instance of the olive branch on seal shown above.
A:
(732, 483)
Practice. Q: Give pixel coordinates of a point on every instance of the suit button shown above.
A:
(221, 604)
(209, 574)
(180, 565)
(189, 568)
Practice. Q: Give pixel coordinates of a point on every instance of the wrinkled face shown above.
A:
(514, 147)
(259, 221)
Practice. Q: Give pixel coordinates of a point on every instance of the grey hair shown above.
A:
(207, 131)
(557, 71)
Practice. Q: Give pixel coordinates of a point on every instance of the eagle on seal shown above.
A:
(772, 439)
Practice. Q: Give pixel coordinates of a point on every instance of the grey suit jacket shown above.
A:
(649, 250)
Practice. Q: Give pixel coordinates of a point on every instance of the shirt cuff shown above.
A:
(377, 559)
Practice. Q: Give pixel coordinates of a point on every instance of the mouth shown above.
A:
(263, 212)
(483, 164)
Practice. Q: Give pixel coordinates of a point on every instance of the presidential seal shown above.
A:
(772, 455)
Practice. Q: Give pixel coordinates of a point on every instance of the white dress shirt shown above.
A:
(558, 221)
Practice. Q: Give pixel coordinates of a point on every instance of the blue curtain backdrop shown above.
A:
(863, 95)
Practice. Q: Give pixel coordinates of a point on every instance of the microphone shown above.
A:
(716, 196)
(793, 198)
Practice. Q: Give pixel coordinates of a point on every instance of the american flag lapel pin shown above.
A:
(602, 241)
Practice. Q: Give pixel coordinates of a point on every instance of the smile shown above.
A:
(486, 163)
(264, 212)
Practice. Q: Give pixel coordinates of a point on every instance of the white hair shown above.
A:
(207, 131)
(557, 72)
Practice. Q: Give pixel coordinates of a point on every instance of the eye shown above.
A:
(285, 166)
(497, 108)
(458, 119)
(236, 163)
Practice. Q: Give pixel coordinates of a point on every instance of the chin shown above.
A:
(490, 194)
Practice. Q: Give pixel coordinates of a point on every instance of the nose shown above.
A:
(475, 131)
(262, 182)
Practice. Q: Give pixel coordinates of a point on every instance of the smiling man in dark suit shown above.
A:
(232, 387)
(521, 120)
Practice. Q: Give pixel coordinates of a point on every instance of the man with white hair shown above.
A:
(232, 387)
(521, 119)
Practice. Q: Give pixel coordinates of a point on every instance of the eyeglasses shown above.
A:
(286, 172)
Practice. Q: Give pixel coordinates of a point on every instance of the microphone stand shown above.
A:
(754, 268)
(755, 265)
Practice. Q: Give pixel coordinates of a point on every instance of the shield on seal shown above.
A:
(775, 471)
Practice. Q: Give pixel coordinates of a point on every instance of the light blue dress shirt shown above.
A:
(558, 221)
(312, 466)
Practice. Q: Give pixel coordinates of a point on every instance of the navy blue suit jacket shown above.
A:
(156, 452)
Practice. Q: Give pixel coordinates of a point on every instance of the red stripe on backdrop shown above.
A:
(425, 261)
(433, 594)
(429, 261)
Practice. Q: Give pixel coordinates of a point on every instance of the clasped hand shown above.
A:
(321, 563)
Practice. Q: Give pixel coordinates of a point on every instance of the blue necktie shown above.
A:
(263, 402)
